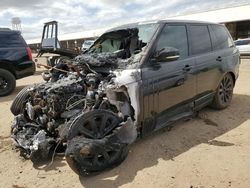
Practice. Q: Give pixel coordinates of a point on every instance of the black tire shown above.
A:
(17, 105)
(224, 93)
(85, 166)
(7, 82)
(94, 130)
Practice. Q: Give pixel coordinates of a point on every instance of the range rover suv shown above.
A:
(15, 60)
(133, 80)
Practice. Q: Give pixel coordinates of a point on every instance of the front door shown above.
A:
(168, 86)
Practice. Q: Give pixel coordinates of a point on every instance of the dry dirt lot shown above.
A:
(210, 151)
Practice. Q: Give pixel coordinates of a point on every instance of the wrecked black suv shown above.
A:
(135, 79)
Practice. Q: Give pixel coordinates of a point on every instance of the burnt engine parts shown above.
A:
(81, 111)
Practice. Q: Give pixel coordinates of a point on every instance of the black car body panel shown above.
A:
(175, 89)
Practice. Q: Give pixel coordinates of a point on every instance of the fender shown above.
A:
(7, 66)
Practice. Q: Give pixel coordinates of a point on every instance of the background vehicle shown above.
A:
(51, 44)
(134, 80)
(87, 44)
(243, 45)
(15, 60)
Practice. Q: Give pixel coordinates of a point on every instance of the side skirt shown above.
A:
(203, 101)
(170, 116)
(167, 118)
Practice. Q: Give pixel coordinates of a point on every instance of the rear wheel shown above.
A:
(224, 93)
(7, 82)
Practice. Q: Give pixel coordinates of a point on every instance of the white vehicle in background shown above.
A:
(243, 45)
(87, 44)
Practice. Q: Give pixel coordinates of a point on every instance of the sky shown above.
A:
(82, 15)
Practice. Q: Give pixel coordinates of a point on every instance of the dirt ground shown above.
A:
(210, 151)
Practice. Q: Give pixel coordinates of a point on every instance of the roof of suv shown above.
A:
(159, 22)
(182, 21)
(7, 30)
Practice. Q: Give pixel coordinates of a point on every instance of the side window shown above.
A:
(174, 36)
(10, 40)
(200, 39)
(222, 37)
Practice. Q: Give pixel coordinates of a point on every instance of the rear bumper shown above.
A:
(27, 68)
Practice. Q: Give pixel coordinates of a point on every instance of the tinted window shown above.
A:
(200, 39)
(10, 40)
(222, 37)
(174, 37)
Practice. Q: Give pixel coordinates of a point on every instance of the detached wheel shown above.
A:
(224, 93)
(17, 105)
(92, 144)
(7, 82)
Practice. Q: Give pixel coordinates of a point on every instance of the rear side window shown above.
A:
(174, 36)
(200, 39)
(9, 40)
(222, 37)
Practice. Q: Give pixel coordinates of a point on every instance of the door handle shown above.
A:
(186, 68)
(219, 58)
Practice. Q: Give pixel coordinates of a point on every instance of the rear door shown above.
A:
(211, 47)
(207, 61)
(169, 85)
(225, 49)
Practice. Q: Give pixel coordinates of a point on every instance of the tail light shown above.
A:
(29, 53)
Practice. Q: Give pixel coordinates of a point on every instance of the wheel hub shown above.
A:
(226, 89)
(3, 83)
(94, 124)
(92, 144)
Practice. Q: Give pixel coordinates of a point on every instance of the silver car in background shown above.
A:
(87, 44)
(243, 45)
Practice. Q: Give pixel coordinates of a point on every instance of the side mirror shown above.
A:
(167, 54)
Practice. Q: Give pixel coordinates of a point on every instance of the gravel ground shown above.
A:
(210, 151)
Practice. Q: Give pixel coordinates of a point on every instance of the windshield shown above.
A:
(132, 39)
(147, 31)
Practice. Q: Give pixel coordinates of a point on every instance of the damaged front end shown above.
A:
(88, 107)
